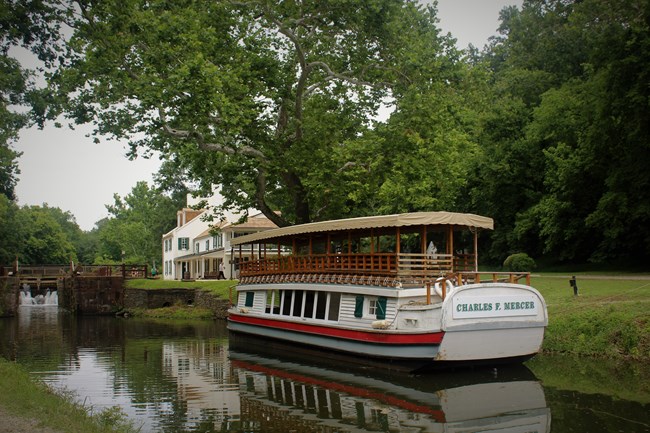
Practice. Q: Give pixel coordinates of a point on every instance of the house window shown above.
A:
(196, 248)
(183, 243)
(207, 245)
(217, 241)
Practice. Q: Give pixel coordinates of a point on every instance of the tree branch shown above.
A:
(260, 192)
(351, 164)
(214, 147)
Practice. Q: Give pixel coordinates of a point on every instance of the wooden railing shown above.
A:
(409, 266)
(380, 263)
(386, 269)
(459, 278)
(125, 271)
(58, 271)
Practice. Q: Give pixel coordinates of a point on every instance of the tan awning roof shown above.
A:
(397, 220)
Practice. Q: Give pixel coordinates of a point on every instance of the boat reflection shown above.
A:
(279, 394)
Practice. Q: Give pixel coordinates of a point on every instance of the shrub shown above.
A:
(519, 262)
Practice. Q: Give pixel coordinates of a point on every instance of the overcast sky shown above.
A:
(65, 169)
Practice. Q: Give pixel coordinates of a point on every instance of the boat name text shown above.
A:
(494, 306)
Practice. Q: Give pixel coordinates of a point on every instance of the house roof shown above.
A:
(382, 221)
(255, 222)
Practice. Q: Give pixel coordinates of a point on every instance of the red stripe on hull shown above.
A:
(437, 414)
(347, 334)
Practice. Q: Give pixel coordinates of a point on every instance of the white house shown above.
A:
(196, 247)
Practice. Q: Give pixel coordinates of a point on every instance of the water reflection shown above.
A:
(277, 395)
(184, 377)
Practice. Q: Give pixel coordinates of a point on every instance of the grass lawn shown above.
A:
(219, 288)
(609, 317)
(22, 396)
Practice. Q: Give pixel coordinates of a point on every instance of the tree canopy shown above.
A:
(342, 108)
(132, 233)
(569, 140)
(267, 100)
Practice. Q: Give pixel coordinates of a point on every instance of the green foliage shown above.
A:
(9, 170)
(10, 230)
(274, 102)
(519, 262)
(547, 131)
(24, 25)
(603, 331)
(132, 234)
(564, 174)
(608, 318)
(44, 240)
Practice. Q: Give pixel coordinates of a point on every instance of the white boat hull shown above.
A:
(476, 323)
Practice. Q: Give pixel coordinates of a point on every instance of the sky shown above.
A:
(66, 169)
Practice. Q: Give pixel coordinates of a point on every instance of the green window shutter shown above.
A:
(381, 308)
(250, 296)
(179, 243)
(358, 306)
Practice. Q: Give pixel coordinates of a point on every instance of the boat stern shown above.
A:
(492, 321)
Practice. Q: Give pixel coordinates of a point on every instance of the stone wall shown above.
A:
(218, 305)
(91, 295)
(9, 287)
(143, 298)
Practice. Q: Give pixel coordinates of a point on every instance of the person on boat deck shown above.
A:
(431, 251)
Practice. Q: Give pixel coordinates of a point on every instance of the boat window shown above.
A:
(321, 303)
(297, 303)
(372, 307)
(287, 296)
(335, 302)
(377, 307)
(272, 302)
(381, 308)
(310, 297)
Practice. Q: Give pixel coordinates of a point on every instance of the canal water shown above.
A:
(190, 377)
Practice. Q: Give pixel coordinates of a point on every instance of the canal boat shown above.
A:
(403, 289)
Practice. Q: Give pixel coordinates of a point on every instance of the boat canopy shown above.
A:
(381, 221)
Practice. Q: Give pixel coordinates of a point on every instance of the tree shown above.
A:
(575, 70)
(136, 225)
(24, 25)
(10, 231)
(9, 171)
(44, 241)
(263, 99)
